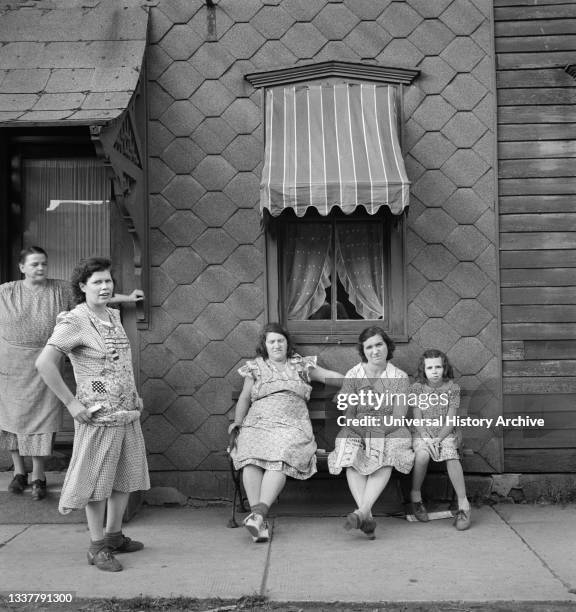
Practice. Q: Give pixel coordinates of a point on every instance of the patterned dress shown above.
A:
(109, 453)
(451, 443)
(276, 434)
(29, 411)
(367, 449)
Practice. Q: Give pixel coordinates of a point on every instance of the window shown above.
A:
(333, 191)
(328, 277)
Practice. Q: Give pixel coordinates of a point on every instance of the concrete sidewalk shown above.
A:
(511, 553)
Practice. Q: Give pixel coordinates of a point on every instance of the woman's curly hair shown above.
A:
(83, 271)
(274, 328)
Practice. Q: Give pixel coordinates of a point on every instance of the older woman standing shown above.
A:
(370, 453)
(29, 411)
(275, 437)
(109, 458)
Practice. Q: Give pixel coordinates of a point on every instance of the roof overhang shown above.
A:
(76, 62)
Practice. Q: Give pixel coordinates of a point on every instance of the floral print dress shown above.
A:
(276, 434)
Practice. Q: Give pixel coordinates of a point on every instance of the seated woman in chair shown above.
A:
(275, 438)
(374, 390)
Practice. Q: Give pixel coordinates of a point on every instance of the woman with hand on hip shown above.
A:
(29, 411)
(109, 458)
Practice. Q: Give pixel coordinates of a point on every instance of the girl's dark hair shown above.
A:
(84, 270)
(33, 250)
(447, 371)
(374, 330)
(274, 328)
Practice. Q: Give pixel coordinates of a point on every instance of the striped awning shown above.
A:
(332, 145)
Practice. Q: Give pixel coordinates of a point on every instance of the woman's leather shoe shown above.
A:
(104, 560)
(18, 484)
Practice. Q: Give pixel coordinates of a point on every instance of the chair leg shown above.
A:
(238, 500)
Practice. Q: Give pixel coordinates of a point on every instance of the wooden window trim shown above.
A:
(345, 331)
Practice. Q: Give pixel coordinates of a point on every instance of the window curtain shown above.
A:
(66, 210)
(360, 266)
(308, 266)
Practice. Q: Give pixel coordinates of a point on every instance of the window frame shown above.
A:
(343, 331)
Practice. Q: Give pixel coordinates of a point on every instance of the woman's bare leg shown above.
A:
(252, 479)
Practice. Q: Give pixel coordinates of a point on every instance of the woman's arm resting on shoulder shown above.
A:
(328, 377)
(48, 364)
(243, 404)
(136, 296)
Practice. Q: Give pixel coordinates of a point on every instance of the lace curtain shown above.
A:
(307, 255)
(360, 266)
(66, 210)
(359, 262)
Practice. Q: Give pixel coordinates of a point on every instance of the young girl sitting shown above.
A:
(439, 442)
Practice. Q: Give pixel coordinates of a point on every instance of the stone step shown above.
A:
(22, 509)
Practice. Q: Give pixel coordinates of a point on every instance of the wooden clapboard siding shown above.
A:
(510, 241)
(536, 204)
(538, 331)
(534, 40)
(537, 405)
(507, 29)
(535, 168)
(541, 148)
(538, 277)
(531, 222)
(539, 259)
(536, 114)
(541, 438)
(532, 132)
(551, 349)
(512, 349)
(538, 313)
(540, 384)
(538, 295)
(537, 186)
(540, 367)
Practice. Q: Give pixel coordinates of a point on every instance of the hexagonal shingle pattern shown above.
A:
(432, 150)
(435, 261)
(206, 137)
(182, 227)
(184, 265)
(187, 340)
(433, 225)
(436, 299)
(186, 414)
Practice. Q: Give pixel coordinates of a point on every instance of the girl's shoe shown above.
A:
(420, 512)
(368, 526)
(104, 560)
(254, 523)
(39, 489)
(462, 520)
